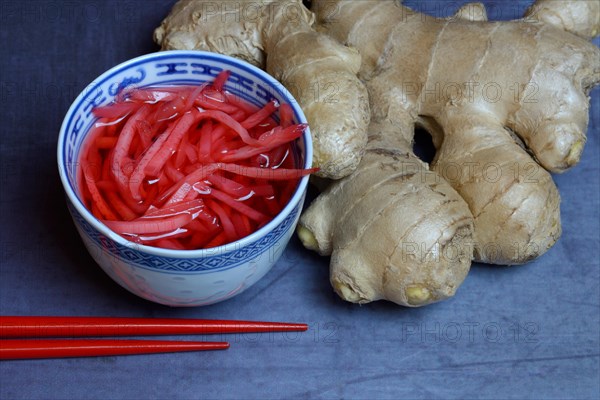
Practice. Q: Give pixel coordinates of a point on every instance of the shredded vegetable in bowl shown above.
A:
(189, 167)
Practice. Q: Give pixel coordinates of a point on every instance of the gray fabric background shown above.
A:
(521, 332)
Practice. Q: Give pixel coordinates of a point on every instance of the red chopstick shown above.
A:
(11, 349)
(43, 326)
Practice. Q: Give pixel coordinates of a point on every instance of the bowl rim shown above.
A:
(274, 84)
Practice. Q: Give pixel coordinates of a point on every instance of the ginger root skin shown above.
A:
(581, 18)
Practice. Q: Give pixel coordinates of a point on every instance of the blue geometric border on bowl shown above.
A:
(213, 262)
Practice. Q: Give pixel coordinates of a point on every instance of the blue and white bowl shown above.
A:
(179, 277)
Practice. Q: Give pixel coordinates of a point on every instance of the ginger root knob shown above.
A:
(417, 295)
(307, 238)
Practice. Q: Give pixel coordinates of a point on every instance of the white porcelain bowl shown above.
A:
(179, 277)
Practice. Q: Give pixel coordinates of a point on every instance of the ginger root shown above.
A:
(472, 84)
(360, 219)
(505, 102)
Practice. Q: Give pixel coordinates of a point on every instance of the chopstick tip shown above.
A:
(289, 326)
(302, 327)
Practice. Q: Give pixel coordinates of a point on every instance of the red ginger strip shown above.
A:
(193, 177)
(269, 141)
(221, 79)
(266, 173)
(175, 134)
(192, 207)
(116, 110)
(260, 115)
(231, 124)
(226, 223)
(97, 199)
(286, 115)
(235, 204)
(149, 225)
(119, 154)
(138, 175)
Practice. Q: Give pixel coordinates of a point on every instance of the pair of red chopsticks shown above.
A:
(20, 336)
